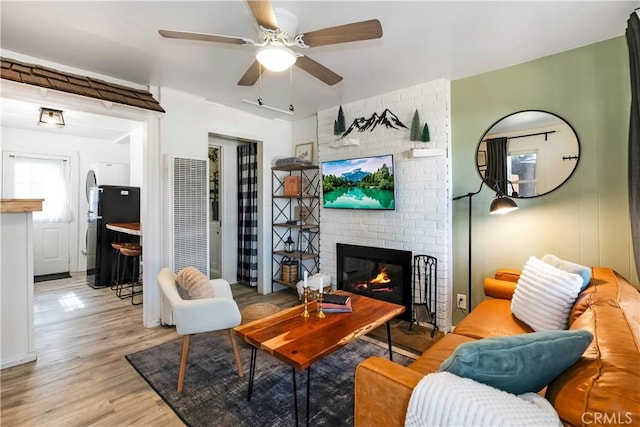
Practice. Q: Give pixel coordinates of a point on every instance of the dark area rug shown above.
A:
(47, 277)
(214, 395)
(415, 339)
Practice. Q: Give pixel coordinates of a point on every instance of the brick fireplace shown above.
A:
(379, 273)
(420, 223)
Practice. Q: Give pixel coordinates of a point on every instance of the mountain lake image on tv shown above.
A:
(362, 183)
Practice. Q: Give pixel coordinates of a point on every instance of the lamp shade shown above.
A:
(276, 57)
(502, 205)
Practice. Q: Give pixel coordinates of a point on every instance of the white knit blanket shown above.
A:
(444, 399)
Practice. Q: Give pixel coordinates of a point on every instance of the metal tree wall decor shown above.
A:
(339, 124)
(415, 134)
(425, 133)
(386, 119)
(415, 127)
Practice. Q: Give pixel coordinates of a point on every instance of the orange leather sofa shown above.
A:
(602, 388)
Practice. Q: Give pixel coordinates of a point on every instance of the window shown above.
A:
(42, 178)
(521, 168)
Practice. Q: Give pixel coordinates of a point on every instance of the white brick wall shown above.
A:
(421, 221)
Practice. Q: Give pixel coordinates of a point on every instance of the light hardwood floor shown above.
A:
(81, 377)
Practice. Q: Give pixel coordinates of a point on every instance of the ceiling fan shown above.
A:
(278, 33)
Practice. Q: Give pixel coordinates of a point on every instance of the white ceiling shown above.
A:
(422, 41)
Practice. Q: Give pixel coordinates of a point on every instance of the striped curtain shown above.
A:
(633, 40)
(496, 175)
(248, 214)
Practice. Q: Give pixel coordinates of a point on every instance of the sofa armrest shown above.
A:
(508, 274)
(502, 289)
(382, 392)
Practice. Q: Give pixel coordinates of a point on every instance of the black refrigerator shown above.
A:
(108, 204)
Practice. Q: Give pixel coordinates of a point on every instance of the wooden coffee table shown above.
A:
(301, 341)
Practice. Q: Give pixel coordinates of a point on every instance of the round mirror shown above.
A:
(528, 154)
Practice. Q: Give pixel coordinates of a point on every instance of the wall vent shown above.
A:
(189, 202)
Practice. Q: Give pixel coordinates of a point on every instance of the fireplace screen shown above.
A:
(379, 273)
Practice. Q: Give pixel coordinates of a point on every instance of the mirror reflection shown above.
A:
(528, 154)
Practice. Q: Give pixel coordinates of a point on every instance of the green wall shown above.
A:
(587, 219)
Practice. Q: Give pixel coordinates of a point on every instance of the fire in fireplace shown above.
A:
(379, 273)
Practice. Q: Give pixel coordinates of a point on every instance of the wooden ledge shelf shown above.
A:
(20, 205)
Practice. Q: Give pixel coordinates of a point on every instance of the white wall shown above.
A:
(83, 152)
(185, 130)
(421, 220)
(136, 157)
(305, 130)
(182, 133)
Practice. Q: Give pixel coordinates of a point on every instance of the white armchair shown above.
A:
(192, 316)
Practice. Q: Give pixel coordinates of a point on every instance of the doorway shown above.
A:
(215, 229)
(223, 247)
(48, 177)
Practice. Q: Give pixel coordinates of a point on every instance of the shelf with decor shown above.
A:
(295, 212)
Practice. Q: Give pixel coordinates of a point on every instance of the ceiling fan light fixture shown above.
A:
(51, 118)
(276, 57)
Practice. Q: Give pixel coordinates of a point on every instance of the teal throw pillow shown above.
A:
(520, 363)
(570, 267)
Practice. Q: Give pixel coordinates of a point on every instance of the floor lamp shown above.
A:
(500, 205)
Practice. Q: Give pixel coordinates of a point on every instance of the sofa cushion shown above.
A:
(195, 283)
(520, 363)
(444, 399)
(604, 382)
(570, 267)
(432, 357)
(491, 318)
(545, 295)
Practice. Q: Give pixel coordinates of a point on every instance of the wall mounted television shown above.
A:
(360, 183)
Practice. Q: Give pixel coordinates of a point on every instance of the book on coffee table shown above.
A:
(337, 308)
(336, 299)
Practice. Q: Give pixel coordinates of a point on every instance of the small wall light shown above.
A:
(51, 118)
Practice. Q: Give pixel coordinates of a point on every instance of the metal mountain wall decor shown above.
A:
(386, 119)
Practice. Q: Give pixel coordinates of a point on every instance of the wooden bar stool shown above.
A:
(116, 263)
(131, 264)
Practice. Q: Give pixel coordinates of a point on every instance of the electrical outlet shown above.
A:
(461, 301)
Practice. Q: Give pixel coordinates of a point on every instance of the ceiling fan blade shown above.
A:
(364, 30)
(318, 70)
(251, 76)
(264, 14)
(204, 37)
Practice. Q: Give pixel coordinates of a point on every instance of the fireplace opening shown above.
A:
(379, 273)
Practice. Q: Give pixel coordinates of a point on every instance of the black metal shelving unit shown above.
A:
(306, 232)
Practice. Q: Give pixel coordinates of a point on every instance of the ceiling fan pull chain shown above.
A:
(260, 84)
(291, 89)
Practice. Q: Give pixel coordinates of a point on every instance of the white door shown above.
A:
(215, 243)
(50, 248)
(45, 177)
(228, 208)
